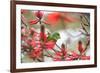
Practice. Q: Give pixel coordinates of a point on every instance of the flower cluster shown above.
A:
(37, 43)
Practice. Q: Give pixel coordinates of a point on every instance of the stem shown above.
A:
(55, 50)
(87, 34)
(58, 46)
(88, 42)
(45, 22)
(83, 27)
(23, 19)
(39, 60)
(48, 56)
(42, 41)
(85, 19)
(49, 53)
(63, 50)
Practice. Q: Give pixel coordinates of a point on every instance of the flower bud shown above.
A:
(39, 14)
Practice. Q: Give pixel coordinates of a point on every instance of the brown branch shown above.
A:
(87, 34)
(83, 27)
(40, 60)
(49, 53)
(87, 44)
(86, 20)
(58, 47)
(63, 50)
(42, 29)
(55, 50)
(24, 20)
(45, 22)
(48, 56)
(83, 16)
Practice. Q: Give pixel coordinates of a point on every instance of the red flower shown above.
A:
(80, 47)
(55, 17)
(64, 52)
(23, 30)
(69, 59)
(32, 22)
(23, 11)
(32, 29)
(23, 34)
(36, 53)
(43, 36)
(36, 36)
(52, 18)
(57, 59)
(39, 14)
(85, 57)
(28, 41)
(33, 43)
(58, 56)
(74, 54)
(58, 53)
(50, 44)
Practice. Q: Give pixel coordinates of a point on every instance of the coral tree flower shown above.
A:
(23, 30)
(61, 55)
(39, 14)
(85, 57)
(43, 36)
(80, 47)
(32, 22)
(55, 17)
(58, 56)
(50, 44)
(24, 11)
(36, 53)
(72, 56)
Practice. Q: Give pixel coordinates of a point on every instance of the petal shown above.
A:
(43, 36)
(33, 21)
(50, 44)
(24, 11)
(39, 14)
(85, 58)
(53, 18)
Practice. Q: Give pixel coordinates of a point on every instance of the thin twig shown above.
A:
(49, 53)
(48, 56)
(23, 19)
(45, 22)
(39, 60)
(84, 28)
(58, 46)
(86, 20)
(88, 42)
